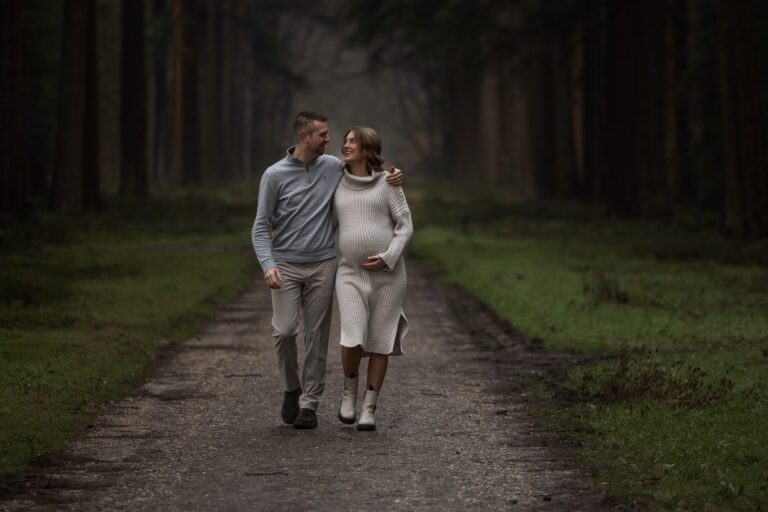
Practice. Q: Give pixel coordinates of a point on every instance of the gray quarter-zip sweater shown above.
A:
(293, 218)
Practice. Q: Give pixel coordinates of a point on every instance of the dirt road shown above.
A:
(205, 432)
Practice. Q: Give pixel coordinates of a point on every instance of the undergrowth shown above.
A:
(670, 407)
(89, 302)
(638, 375)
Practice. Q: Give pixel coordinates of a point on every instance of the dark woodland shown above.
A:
(643, 108)
(587, 277)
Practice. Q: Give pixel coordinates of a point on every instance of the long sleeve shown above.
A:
(401, 215)
(334, 218)
(261, 234)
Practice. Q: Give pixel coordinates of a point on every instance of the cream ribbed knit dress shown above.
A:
(372, 219)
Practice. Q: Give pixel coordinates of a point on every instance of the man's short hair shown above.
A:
(304, 120)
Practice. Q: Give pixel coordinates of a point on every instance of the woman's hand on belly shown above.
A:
(373, 264)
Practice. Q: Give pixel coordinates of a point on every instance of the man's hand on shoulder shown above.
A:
(272, 278)
(395, 176)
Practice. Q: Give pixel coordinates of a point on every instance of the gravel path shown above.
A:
(205, 434)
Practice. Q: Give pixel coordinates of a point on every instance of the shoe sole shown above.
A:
(367, 428)
(346, 421)
(289, 418)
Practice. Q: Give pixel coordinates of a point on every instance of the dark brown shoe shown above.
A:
(290, 408)
(306, 419)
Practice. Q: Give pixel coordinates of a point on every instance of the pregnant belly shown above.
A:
(356, 247)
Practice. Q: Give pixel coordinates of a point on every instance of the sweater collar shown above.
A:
(353, 182)
(289, 156)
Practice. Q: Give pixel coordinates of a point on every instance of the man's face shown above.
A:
(317, 137)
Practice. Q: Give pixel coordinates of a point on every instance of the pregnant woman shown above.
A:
(373, 228)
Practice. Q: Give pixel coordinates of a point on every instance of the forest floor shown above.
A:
(204, 432)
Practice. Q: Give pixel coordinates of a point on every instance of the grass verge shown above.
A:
(88, 303)
(671, 412)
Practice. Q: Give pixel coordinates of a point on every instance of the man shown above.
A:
(293, 239)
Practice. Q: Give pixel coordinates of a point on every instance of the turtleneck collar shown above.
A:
(353, 182)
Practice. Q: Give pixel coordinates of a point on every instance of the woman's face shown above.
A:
(351, 151)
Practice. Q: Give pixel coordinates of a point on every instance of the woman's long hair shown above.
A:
(370, 143)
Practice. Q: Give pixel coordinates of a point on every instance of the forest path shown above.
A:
(204, 433)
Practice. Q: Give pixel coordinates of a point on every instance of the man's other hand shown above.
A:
(395, 176)
(272, 278)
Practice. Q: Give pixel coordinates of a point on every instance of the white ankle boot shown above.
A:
(367, 419)
(349, 401)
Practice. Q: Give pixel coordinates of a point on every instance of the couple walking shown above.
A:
(324, 224)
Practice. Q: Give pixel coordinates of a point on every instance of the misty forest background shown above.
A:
(648, 108)
(594, 171)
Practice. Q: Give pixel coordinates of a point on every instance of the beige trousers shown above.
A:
(307, 287)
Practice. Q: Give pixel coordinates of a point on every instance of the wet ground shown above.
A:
(204, 433)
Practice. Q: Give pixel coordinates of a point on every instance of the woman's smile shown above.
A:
(351, 150)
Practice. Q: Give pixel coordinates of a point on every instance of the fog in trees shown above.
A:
(643, 109)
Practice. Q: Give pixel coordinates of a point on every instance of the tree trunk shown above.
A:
(133, 101)
(516, 133)
(13, 162)
(249, 100)
(746, 169)
(462, 93)
(700, 178)
(91, 169)
(634, 174)
(67, 190)
(489, 156)
(178, 141)
(562, 101)
(191, 127)
(227, 72)
(620, 166)
(214, 162)
(160, 112)
(653, 196)
(235, 91)
(594, 94)
(542, 122)
(675, 44)
(186, 162)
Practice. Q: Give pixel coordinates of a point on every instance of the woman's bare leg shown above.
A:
(377, 369)
(350, 360)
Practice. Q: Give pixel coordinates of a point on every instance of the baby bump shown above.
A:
(355, 245)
